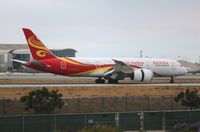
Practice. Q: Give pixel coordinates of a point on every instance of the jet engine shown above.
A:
(142, 75)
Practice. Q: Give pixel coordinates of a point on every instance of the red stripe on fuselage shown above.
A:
(54, 66)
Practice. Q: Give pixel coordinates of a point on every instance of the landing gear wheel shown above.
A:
(172, 80)
(113, 81)
(99, 81)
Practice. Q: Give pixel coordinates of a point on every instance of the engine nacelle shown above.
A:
(142, 75)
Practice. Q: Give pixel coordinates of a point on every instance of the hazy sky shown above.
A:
(107, 28)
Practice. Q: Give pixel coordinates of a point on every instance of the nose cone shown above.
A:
(188, 69)
(185, 70)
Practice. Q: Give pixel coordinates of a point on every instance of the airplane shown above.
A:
(111, 69)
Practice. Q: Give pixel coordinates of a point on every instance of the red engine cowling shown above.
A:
(142, 75)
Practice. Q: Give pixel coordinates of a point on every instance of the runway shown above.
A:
(48, 76)
(95, 85)
(33, 80)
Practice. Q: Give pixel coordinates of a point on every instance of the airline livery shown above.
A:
(111, 69)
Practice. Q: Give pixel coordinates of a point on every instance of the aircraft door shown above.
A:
(97, 65)
(63, 65)
(148, 65)
(173, 66)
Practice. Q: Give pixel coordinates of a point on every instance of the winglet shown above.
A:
(38, 50)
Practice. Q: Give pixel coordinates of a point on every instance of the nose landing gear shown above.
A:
(172, 80)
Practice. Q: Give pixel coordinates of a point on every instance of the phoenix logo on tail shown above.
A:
(37, 48)
(111, 69)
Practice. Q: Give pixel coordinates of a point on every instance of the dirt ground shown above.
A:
(97, 99)
(100, 91)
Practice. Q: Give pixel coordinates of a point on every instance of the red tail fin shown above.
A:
(38, 50)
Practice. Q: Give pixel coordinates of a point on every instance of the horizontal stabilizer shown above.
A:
(19, 61)
(34, 62)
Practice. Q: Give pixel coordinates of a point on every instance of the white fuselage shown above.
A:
(160, 67)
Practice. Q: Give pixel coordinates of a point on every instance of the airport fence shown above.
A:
(99, 104)
(124, 121)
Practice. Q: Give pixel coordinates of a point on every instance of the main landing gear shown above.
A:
(110, 81)
(100, 81)
(172, 80)
(113, 81)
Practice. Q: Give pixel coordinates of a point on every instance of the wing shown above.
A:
(122, 67)
(119, 71)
